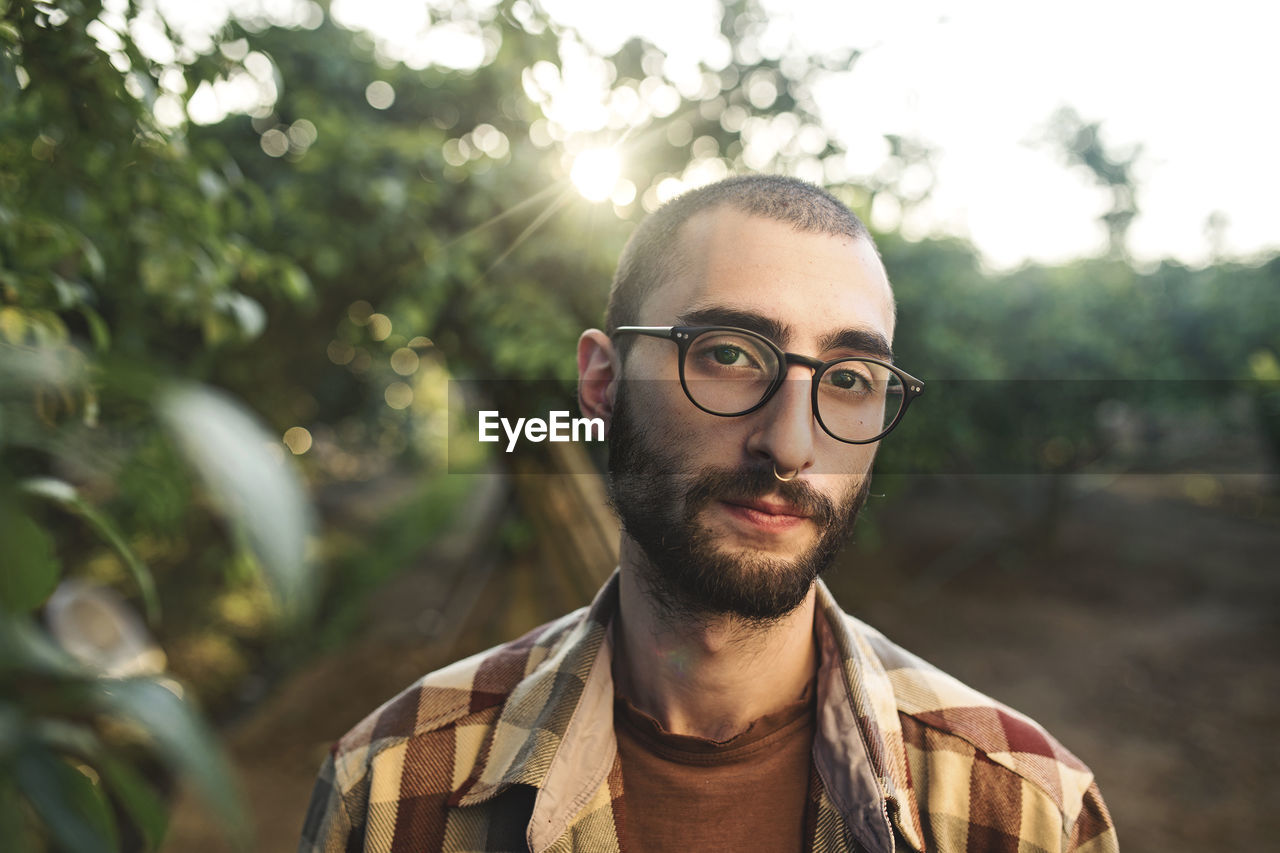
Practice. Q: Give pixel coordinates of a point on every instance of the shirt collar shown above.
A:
(859, 750)
(555, 731)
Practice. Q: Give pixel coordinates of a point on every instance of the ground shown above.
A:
(1143, 634)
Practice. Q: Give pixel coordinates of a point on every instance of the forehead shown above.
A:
(813, 284)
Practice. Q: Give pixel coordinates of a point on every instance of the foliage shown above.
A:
(1088, 366)
(124, 274)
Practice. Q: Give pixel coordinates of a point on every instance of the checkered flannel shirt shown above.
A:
(513, 749)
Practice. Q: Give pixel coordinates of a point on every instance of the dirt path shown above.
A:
(1145, 638)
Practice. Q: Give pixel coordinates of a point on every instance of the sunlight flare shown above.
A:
(595, 173)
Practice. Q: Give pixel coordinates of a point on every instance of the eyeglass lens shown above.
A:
(728, 374)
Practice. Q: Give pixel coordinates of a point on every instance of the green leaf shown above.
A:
(25, 647)
(257, 490)
(13, 325)
(68, 738)
(31, 571)
(71, 806)
(295, 284)
(64, 495)
(12, 820)
(145, 808)
(93, 259)
(248, 313)
(99, 331)
(182, 740)
(24, 368)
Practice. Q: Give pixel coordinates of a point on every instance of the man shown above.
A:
(714, 697)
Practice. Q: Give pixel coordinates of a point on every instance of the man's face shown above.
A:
(695, 491)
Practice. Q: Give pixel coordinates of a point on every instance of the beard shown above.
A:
(686, 573)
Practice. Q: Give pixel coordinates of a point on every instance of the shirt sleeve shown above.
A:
(328, 827)
(1093, 831)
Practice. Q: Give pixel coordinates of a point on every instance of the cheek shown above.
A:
(652, 383)
(660, 406)
(654, 403)
(836, 487)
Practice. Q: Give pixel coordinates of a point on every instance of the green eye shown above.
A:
(847, 379)
(727, 354)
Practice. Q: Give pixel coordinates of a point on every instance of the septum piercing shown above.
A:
(781, 479)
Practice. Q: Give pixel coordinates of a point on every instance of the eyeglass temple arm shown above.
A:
(915, 387)
(651, 331)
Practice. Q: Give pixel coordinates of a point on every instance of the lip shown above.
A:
(765, 514)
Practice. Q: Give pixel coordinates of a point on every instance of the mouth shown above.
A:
(766, 514)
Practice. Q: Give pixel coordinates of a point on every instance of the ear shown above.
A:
(598, 374)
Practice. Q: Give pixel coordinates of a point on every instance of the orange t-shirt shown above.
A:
(684, 793)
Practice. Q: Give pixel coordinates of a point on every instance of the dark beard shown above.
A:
(687, 575)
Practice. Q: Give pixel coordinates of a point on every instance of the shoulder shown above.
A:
(442, 722)
(977, 763)
(938, 703)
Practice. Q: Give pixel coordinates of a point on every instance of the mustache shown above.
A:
(750, 483)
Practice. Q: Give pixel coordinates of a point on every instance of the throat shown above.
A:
(709, 678)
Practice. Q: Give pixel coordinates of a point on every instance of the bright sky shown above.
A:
(977, 80)
(1193, 83)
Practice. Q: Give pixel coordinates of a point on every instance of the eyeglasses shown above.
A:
(730, 372)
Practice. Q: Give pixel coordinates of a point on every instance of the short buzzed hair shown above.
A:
(651, 256)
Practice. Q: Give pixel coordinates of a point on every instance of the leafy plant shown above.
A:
(117, 246)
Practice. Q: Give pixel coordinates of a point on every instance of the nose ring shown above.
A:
(791, 475)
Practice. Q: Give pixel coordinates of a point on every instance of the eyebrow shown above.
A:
(862, 341)
(715, 315)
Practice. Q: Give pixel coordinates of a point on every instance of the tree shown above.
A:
(120, 247)
(1080, 143)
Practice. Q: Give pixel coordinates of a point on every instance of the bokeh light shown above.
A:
(379, 327)
(624, 193)
(359, 312)
(298, 440)
(404, 361)
(340, 352)
(595, 173)
(398, 395)
(275, 143)
(380, 95)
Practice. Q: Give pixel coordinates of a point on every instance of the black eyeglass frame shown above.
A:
(685, 335)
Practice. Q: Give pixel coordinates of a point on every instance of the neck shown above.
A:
(710, 676)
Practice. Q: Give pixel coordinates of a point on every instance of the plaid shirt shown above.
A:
(513, 749)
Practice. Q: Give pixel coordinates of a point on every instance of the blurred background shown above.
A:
(249, 249)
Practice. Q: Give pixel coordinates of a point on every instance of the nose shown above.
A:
(784, 431)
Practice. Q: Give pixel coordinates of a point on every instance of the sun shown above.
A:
(595, 173)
